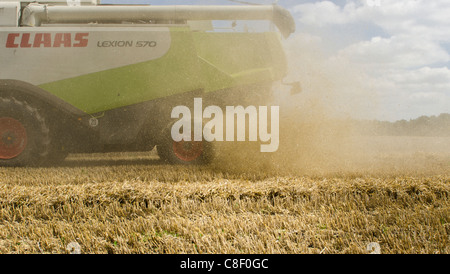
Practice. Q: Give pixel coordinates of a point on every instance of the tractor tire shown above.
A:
(184, 153)
(24, 134)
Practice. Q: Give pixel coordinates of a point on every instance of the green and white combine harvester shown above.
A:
(92, 78)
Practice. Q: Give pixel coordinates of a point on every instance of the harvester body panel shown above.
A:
(129, 65)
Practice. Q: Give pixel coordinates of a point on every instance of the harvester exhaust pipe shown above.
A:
(36, 14)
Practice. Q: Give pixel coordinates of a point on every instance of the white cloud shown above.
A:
(402, 51)
(321, 13)
(415, 17)
(406, 63)
(438, 77)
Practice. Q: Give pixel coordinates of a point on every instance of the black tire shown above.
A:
(184, 153)
(24, 134)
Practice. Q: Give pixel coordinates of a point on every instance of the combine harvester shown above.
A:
(92, 78)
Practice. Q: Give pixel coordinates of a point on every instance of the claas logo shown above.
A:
(47, 40)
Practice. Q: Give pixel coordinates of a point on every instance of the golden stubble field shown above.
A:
(391, 191)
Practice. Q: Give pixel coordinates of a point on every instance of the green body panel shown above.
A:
(196, 60)
(235, 59)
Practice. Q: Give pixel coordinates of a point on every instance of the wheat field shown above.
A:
(134, 203)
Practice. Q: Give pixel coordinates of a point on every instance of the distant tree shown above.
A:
(422, 126)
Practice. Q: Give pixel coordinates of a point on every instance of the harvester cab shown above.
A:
(81, 77)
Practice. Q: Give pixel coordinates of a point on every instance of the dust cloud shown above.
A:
(318, 134)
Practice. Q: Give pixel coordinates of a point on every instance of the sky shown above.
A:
(400, 48)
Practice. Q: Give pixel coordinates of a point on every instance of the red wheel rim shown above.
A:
(13, 138)
(188, 151)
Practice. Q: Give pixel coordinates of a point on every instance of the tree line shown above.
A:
(422, 126)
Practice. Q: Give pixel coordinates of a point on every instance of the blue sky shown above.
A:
(395, 53)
